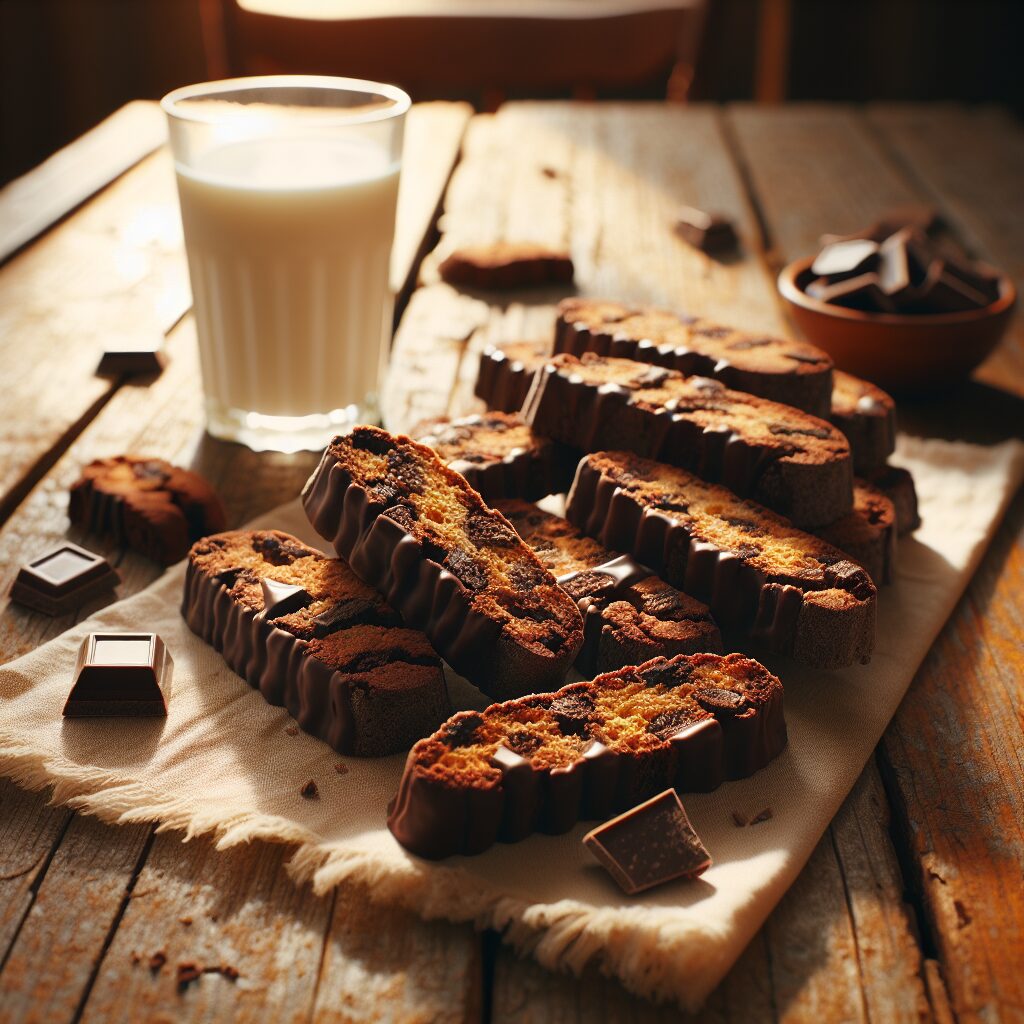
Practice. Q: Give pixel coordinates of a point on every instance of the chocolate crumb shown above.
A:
(341, 768)
(292, 730)
(738, 819)
(157, 960)
(187, 973)
(549, 172)
(764, 815)
(224, 970)
(309, 790)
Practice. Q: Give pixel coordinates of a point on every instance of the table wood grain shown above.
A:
(911, 907)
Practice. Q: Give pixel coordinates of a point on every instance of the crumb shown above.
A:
(341, 768)
(738, 819)
(187, 973)
(186, 921)
(157, 960)
(224, 970)
(136, 958)
(549, 172)
(292, 730)
(764, 815)
(963, 919)
(309, 790)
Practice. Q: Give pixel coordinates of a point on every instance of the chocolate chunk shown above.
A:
(668, 723)
(120, 674)
(469, 573)
(664, 673)
(374, 441)
(63, 580)
(130, 358)
(573, 713)
(309, 790)
(845, 258)
(708, 232)
(487, 531)
(461, 731)
(277, 551)
(649, 845)
(522, 742)
(282, 598)
(718, 701)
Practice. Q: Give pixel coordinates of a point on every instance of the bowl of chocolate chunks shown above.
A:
(899, 303)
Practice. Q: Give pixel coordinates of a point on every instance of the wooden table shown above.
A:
(912, 905)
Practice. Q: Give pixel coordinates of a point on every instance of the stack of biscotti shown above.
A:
(312, 637)
(780, 456)
(592, 749)
(765, 581)
(452, 566)
(629, 614)
(500, 456)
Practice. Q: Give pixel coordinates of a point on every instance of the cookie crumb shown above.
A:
(186, 921)
(341, 768)
(309, 790)
(738, 819)
(764, 815)
(157, 960)
(292, 730)
(224, 970)
(187, 973)
(135, 957)
(549, 172)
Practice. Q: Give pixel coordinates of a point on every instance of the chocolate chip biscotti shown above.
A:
(779, 456)
(763, 579)
(629, 614)
(867, 416)
(146, 504)
(791, 372)
(500, 456)
(542, 763)
(451, 565)
(313, 638)
(506, 373)
(868, 533)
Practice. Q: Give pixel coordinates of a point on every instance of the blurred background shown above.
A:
(67, 64)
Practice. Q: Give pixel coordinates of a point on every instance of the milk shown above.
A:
(288, 244)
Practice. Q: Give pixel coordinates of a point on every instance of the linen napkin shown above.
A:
(224, 761)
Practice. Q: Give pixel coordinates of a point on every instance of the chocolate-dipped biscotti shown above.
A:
(506, 373)
(629, 614)
(781, 457)
(791, 372)
(452, 566)
(868, 533)
(544, 762)
(313, 638)
(146, 504)
(897, 485)
(507, 265)
(500, 456)
(763, 579)
(867, 416)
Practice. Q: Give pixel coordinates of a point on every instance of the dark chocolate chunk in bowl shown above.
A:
(63, 579)
(120, 675)
(650, 844)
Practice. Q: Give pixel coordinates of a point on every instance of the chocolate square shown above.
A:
(708, 232)
(651, 844)
(120, 675)
(130, 359)
(63, 579)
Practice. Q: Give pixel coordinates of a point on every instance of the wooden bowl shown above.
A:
(899, 352)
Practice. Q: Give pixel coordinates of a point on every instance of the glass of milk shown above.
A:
(288, 186)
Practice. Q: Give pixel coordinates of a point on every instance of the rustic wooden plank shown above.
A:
(379, 957)
(115, 268)
(29, 205)
(954, 758)
(236, 910)
(29, 832)
(971, 162)
(78, 901)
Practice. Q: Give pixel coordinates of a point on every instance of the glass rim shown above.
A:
(171, 103)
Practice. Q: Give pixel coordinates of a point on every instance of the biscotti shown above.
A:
(452, 566)
(146, 504)
(867, 416)
(313, 638)
(629, 614)
(507, 265)
(781, 457)
(500, 456)
(763, 579)
(868, 533)
(506, 373)
(544, 762)
(791, 372)
(897, 485)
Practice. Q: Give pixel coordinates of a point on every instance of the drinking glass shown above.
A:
(288, 186)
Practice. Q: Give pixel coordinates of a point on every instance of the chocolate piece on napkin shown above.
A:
(120, 675)
(63, 579)
(650, 844)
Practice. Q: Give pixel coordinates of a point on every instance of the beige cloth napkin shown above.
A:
(223, 762)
